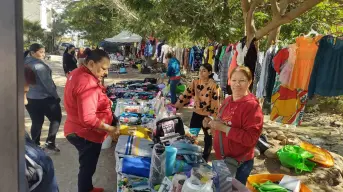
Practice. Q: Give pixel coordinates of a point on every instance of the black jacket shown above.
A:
(69, 62)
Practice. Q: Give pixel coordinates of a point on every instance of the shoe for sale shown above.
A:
(52, 147)
(97, 190)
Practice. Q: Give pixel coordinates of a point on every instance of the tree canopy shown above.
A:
(182, 21)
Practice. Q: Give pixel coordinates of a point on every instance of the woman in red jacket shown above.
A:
(238, 127)
(89, 115)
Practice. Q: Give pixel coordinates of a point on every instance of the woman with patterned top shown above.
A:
(205, 93)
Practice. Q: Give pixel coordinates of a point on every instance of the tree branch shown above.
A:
(275, 8)
(302, 8)
(245, 5)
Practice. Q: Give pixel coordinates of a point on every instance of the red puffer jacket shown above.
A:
(86, 105)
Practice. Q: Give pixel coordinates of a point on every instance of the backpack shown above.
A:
(168, 126)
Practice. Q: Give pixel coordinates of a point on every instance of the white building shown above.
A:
(38, 10)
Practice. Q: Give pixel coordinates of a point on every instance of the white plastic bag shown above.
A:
(107, 143)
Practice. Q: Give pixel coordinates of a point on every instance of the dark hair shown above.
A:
(209, 68)
(30, 77)
(245, 70)
(35, 47)
(169, 55)
(68, 48)
(26, 53)
(96, 55)
(87, 51)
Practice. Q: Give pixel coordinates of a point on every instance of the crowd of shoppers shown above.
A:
(235, 124)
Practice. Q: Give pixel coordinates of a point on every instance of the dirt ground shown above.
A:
(66, 162)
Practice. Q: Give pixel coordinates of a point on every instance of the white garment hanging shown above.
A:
(165, 49)
(242, 52)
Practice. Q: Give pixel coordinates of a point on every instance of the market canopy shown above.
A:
(125, 37)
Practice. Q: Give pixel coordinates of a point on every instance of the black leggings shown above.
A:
(38, 108)
(196, 122)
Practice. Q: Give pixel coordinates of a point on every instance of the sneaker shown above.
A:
(52, 147)
(97, 190)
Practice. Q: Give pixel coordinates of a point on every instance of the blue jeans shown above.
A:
(244, 171)
(173, 86)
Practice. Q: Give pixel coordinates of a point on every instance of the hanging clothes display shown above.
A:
(165, 49)
(195, 58)
(287, 105)
(210, 55)
(148, 51)
(159, 51)
(226, 60)
(217, 60)
(233, 64)
(327, 74)
(286, 72)
(258, 70)
(205, 58)
(306, 52)
(185, 59)
(178, 53)
(250, 59)
(267, 61)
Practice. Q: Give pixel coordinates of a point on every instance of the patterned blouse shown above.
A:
(205, 95)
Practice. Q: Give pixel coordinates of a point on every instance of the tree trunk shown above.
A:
(273, 36)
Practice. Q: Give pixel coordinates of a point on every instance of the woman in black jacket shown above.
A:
(69, 60)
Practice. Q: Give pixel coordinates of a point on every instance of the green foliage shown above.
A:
(323, 18)
(96, 19)
(32, 32)
(187, 22)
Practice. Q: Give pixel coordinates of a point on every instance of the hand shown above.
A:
(113, 130)
(214, 124)
(205, 122)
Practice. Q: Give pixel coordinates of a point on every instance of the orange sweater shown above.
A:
(206, 97)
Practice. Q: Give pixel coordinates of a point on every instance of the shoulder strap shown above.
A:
(225, 103)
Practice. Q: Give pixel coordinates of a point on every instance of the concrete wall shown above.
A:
(32, 10)
(37, 10)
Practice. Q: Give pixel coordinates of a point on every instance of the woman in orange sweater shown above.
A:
(205, 93)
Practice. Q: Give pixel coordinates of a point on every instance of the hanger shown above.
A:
(312, 32)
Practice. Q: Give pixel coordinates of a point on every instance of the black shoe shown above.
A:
(52, 147)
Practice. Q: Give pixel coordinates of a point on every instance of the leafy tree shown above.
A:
(95, 19)
(188, 21)
(33, 32)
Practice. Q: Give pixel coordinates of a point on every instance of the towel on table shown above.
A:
(131, 145)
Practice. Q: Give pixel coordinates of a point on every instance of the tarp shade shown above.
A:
(125, 37)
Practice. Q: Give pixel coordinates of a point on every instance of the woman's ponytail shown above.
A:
(211, 76)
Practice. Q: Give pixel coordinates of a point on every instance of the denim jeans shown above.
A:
(48, 182)
(244, 171)
(88, 158)
(173, 86)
